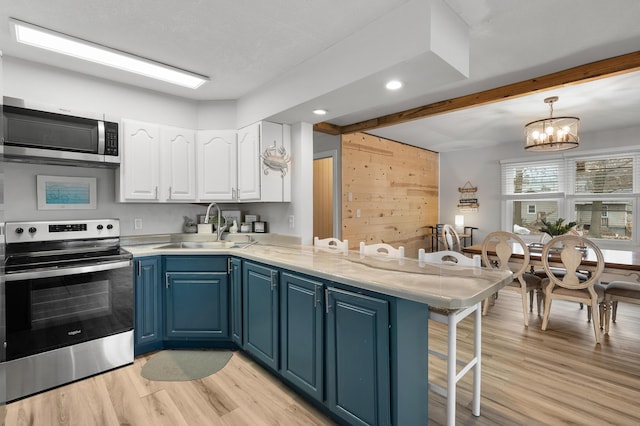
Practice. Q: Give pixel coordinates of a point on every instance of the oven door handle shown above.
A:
(47, 273)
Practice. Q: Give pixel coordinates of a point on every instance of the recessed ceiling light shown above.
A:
(319, 111)
(394, 85)
(82, 49)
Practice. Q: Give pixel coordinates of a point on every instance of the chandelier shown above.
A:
(553, 133)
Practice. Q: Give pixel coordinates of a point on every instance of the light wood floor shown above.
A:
(530, 377)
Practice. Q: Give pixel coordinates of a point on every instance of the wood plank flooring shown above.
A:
(530, 377)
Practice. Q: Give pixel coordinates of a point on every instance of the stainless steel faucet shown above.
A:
(219, 226)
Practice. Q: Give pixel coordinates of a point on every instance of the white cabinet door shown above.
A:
(177, 171)
(216, 165)
(249, 163)
(275, 163)
(139, 173)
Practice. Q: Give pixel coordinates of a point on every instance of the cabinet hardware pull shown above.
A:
(166, 280)
(169, 192)
(315, 296)
(326, 301)
(139, 266)
(156, 196)
(228, 265)
(273, 279)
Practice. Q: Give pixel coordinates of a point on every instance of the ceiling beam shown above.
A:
(328, 128)
(580, 74)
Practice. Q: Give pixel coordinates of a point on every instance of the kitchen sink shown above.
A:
(206, 245)
(200, 245)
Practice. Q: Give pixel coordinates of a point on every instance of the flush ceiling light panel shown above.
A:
(43, 38)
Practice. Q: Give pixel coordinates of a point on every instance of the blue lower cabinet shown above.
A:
(358, 382)
(235, 276)
(196, 305)
(148, 305)
(260, 312)
(301, 333)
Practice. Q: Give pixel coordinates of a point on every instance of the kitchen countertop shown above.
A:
(440, 286)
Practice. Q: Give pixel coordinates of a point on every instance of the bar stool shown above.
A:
(451, 318)
(331, 245)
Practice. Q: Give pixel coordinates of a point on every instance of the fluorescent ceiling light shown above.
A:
(61, 43)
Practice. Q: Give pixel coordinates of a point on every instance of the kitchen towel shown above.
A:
(183, 365)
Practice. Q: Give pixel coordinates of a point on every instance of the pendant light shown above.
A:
(553, 133)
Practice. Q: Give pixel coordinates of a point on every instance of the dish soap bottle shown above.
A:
(233, 228)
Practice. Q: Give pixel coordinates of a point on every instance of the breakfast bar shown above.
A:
(373, 319)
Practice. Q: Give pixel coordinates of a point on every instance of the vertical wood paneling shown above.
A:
(323, 197)
(395, 187)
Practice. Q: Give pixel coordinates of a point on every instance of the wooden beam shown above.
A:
(328, 128)
(580, 74)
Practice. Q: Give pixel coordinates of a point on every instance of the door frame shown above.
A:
(337, 184)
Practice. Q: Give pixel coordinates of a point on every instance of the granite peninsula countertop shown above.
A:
(441, 286)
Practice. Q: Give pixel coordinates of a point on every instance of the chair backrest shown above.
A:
(331, 244)
(449, 257)
(450, 238)
(569, 250)
(503, 243)
(381, 249)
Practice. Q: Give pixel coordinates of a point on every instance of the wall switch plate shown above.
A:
(357, 212)
(292, 222)
(137, 223)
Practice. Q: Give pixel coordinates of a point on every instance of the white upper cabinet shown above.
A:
(139, 171)
(171, 164)
(275, 162)
(178, 169)
(217, 165)
(249, 163)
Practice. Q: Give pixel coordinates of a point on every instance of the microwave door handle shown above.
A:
(101, 137)
(47, 273)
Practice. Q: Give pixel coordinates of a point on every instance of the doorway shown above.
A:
(325, 195)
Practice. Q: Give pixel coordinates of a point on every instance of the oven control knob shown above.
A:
(32, 230)
(19, 230)
(109, 226)
(100, 227)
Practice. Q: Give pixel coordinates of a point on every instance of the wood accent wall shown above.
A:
(395, 186)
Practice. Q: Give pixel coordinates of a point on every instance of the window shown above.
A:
(598, 192)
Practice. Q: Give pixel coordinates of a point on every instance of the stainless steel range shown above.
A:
(69, 303)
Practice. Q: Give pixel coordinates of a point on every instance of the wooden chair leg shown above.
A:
(614, 309)
(594, 311)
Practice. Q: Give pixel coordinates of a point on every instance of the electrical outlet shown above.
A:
(357, 212)
(292, 222)
(137, 223)
(349, 196)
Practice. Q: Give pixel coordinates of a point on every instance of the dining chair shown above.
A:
(381, 249)
(331, 245)
(618, 291)
(450, 238)
(569, 250)
(523, 281)
(451, 317)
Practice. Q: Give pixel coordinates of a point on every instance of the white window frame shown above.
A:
(566, 196)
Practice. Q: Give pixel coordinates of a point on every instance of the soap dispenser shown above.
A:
(233, 228)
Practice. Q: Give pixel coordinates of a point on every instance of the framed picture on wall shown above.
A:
(66, 193)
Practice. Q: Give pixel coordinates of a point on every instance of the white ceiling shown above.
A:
(249, 46)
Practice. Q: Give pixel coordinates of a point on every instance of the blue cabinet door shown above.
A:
(301, 332)
(358, 383)
(148, 304)
(235, 274)
(196, 305)
(260, 312)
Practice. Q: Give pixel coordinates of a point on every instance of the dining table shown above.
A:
(619, 265)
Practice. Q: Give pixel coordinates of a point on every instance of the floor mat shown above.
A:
(182, 365)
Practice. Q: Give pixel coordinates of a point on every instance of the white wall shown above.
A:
(481, 167)
(53, 86)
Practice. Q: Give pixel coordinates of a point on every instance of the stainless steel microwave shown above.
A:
(33, 133)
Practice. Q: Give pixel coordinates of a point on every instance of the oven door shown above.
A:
(53, 308)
